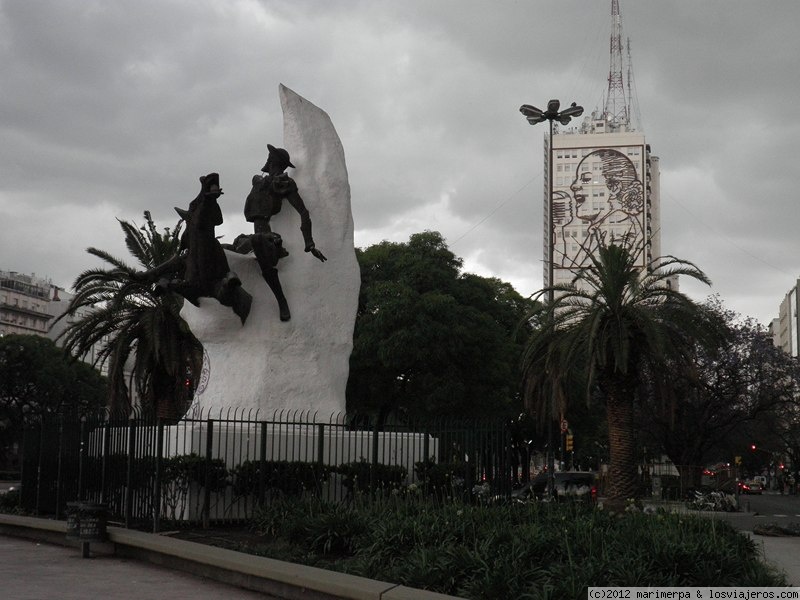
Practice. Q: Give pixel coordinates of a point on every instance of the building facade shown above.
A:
(30, 305)
(26, 304)
(605, 189)
(785, 329)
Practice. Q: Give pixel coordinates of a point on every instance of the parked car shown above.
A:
(568, 485)
(750, 487)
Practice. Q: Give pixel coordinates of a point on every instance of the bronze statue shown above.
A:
(265, 200)
(201, 267)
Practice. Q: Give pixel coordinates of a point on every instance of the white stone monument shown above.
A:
(267, 365)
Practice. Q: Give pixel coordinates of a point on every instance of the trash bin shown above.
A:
(73, 520)
(92, 522)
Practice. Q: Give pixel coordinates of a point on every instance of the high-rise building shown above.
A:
(785, 329)
(605, 189)
(605, 179)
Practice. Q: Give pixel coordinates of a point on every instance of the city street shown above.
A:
(6, 485)
(760, 509)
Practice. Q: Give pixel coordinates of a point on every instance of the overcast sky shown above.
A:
(110, 108)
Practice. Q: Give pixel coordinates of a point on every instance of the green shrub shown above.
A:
(514, 551)
(442, 480)
(180, 474)
(358, 477)
(331, 532)
(187, 469)
(290, 478)
(276, 519)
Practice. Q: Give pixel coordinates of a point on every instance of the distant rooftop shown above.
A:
(30, 285)
(595, 123)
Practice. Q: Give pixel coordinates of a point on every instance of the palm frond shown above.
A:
(137, 333)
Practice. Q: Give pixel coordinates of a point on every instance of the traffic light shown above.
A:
(569, 442)
(753, 447)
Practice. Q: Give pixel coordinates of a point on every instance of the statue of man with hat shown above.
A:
(265, 200)
(200, 269)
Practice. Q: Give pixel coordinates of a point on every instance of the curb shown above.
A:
(280, 579)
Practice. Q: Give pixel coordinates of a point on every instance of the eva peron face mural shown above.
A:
(604, 204)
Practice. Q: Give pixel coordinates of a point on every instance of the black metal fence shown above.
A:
(221, 467)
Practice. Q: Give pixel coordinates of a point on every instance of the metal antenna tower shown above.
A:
(616, 110)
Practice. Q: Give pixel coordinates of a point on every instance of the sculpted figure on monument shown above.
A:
(201, 267)
(265, 200)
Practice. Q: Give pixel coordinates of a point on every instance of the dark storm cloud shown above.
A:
(113, 107)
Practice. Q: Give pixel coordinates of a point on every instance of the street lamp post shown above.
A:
(536, 116)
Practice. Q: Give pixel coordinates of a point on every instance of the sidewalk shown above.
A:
(782, 552)
(35, 571)
(191, 570)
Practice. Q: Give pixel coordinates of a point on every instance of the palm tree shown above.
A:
(612, 326)
(120, 312)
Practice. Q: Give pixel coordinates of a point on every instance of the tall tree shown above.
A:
(430, 340)
(136, 326)
(612, 324)
(36, 378)
(733, 392)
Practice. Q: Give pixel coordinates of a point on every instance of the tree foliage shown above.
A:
(430, 340)
(607, 329)
(137, 329)
(713, 411)
(36, 378)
